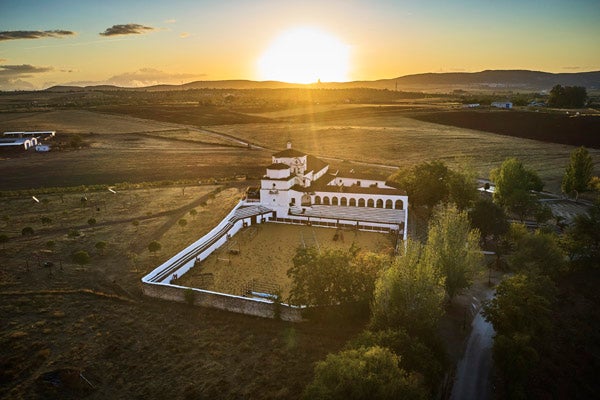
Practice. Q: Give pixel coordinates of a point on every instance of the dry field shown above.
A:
(92, 318)
(266, 252)
(403, 141)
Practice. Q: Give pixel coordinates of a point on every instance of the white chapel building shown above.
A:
(301, 188)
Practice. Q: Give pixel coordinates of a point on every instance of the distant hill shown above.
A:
(490, 79)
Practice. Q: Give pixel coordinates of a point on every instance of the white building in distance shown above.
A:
(502, 104)
(300, 188)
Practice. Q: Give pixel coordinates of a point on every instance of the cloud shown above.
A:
(571, 68)
(149, 77)
(127, 29)
(170, 21)
(184, 35)
(11, 76)
(14, 35)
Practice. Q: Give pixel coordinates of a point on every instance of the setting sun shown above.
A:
(305, 55)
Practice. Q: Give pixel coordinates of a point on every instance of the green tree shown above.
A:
(452, 248)
(537, 253)
(578, 173)
(154, 246)
(101, 246)
(333, 276)
(408, 294)
(91, 221)
(415, 354)
(582, 238)
(27, 231)
(514, 184)
(81, 257)
(193, 213)
(521, 313)
(567, 96)
(489, 218)
(365, 373)
(182, 223)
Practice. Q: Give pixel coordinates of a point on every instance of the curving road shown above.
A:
(473, 380)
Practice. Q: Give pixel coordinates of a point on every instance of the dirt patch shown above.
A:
(263, 253)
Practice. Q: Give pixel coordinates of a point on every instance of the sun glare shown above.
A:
(305, 55)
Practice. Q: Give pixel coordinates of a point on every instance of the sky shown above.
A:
(140, 43)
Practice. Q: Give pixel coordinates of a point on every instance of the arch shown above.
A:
(334, 201)
(317, 199)
(352, 203)
(399, 205)
(389, 203)
(379, 203)
(361, 202)
(370, 203)
(343, 201)
(326, 200)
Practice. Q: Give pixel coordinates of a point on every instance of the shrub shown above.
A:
(81, 257)
(27, 231)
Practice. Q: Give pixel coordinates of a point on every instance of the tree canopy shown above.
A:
(333, 276)
(452, 248)
(408, 294)
(578, 173)
(514, 184)
(489, 218)
(364, 373)
(567, 96)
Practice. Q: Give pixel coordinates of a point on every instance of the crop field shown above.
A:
(264, 253)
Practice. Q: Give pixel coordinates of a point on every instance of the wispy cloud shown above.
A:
(573, 68)
(149, 77)
(170, 21)
(15, 35)
(184, 35)
(127, 29)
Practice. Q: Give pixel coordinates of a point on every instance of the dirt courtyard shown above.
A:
(263, 254)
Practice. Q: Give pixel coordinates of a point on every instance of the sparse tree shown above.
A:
(27, 231)
(135, 223)
(364, 373)
(154, 246)
(182, 223)
(91, 221)
(578, 173)
(81, 257)
(453, 249)
(100, 246)
(46, 220)
(408, 294)
(50, 244)
(514, 184)
(193, 213)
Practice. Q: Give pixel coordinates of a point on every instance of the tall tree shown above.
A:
(567, 96)
(409, 294)
(578, 173)
(514, 184)
(453, 249)
(489, 218)
(537, 253)
(364, 373)
(582, 239)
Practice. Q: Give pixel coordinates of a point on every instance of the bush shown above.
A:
(365, 373)
(73, 233)
(81, 257)
(154, 246)
(27, 231)
(91, 221)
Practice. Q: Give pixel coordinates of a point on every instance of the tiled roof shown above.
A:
(315, 164)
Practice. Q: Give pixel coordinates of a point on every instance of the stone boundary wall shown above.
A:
(222, 301)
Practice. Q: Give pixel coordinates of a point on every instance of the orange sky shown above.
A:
(138, 43)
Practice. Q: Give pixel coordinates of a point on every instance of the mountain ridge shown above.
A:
(507, 79)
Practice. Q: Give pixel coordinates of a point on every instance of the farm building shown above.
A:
(299, 187)
(26, 140)
(18, 143)
(502, 104)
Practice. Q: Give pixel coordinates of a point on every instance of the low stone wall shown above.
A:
(222, 301)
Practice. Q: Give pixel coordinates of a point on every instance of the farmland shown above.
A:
(93, 318)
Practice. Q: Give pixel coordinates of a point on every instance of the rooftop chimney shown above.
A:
(289, 145)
